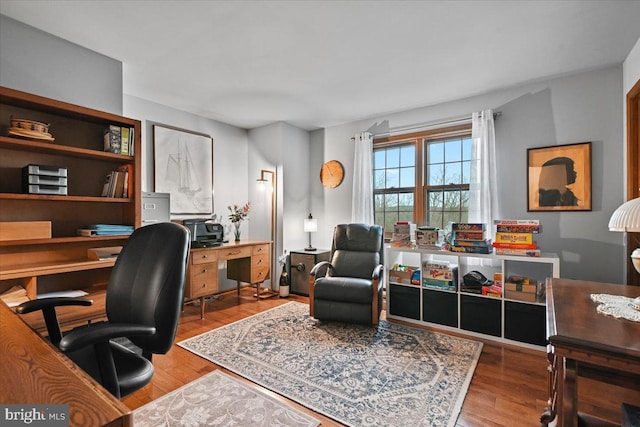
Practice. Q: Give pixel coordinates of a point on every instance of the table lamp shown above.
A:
(627, 219)
(310, 226)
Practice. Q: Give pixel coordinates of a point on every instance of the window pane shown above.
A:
(389, 220)
(405, 216)
(452, 173)
(390, 202)
(466, 172)
(379, 203)
(408, 155)
(393, 157)
(453, 150)
(435, 152)
(393, 178)
(434, 219)
(407, 177)
(436, 174)
(434, 199)
(452, 199)
(378, 159)
(406, 202)
(378, 179)
(464, 199)
(450, 217)
(466, 149)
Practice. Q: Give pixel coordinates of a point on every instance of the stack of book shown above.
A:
(105, 230)
(470, 238)
(119, 140)
(402, 236)
(119, 183)
(515, 237)
(440, 275)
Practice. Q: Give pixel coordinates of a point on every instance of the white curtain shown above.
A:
(362, 199)
(484, 206)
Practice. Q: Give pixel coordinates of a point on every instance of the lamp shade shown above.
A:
(626, 217)
(310, 225)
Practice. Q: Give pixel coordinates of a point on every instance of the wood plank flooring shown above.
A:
(509, 386)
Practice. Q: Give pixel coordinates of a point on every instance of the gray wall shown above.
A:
(577, 108)
(37, 62)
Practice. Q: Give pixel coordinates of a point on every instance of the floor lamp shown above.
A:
(265, 185)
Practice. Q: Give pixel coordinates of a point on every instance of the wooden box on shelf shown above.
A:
(23, 230)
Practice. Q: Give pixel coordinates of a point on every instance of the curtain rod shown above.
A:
(428, 125)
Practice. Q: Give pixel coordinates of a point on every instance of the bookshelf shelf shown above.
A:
(498, 318)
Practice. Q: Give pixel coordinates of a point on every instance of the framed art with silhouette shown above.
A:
(559, 178)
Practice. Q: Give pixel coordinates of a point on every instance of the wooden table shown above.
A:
(585, 343)
(32, 371)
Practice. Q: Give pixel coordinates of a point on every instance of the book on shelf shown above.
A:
(105, 230)
(535, 229)
(116, 183)
(516, 222)
(518, 252)
(468, 226)
(469, 235)
(459, 242)
(471, 249)
(521, 238)
(119, 140)
(129, 180)
(516, 245)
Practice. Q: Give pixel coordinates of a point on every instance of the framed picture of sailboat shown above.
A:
(183, 167)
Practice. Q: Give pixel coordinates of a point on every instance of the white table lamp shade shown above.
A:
(310, 225)
(626, 217)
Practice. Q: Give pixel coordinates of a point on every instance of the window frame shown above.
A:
(420, 140)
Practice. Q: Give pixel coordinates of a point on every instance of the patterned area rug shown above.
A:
(218, 399)
(392, 375)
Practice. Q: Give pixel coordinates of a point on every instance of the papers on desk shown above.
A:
(69, 294)
(14, 296)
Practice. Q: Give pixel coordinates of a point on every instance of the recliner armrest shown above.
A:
(40, 304)
(377, 272)
(320, 265)
(101, 332)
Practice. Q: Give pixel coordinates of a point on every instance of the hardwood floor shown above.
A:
(509, 386)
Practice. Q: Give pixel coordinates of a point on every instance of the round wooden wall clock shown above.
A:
(332, 174)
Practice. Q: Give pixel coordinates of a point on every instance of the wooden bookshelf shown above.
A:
(60, 262)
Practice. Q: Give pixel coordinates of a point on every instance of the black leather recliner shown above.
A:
(143, 304)
(351, 290)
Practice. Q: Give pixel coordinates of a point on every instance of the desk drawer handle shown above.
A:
(259, 261)
(205, 256)
(204, 270)
(204, 285)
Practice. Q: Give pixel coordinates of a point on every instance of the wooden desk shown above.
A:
(248, 261)
(32, 371)
(585, 343)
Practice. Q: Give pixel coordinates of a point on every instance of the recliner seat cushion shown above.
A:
(345, 289)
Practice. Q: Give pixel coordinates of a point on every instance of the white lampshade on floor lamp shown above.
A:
(627, 219)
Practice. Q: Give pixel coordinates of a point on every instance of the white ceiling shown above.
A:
(321, 63)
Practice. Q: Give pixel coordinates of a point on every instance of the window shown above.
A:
(423, 178)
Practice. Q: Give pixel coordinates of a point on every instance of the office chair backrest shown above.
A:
(147, 283)
(356, 250)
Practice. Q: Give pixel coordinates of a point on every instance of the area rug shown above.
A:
(389, 375)
(218, 399)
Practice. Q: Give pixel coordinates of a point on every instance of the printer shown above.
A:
(204, 232)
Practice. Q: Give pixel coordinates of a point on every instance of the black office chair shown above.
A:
(143, 304)
(351, 289)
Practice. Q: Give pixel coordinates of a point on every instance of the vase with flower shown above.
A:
(237, 215)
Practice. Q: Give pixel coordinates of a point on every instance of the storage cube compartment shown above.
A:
(525, 323)
(481, 314)
(440, 307)
(404, 301)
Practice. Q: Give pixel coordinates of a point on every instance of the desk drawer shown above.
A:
(259, 274)
(203, 257)
(258, 261)
(203, 280)
(233, 253)
(260, 250)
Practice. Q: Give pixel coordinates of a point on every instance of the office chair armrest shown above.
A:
(101, 332)
(320, 265)
(377, 272)
(40, 304)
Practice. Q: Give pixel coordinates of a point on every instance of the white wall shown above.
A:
(631, 68)
(37, 62)
(577, 108)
